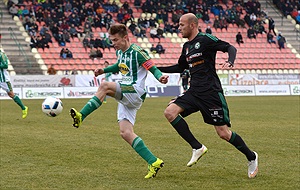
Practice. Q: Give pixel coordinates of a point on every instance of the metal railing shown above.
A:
(270, 4)
(21, 50)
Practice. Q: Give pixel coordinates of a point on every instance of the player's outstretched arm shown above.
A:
(110, 69)
(164, 79)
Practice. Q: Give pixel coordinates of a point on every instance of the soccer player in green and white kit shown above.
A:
(133, 63)
(6, 85)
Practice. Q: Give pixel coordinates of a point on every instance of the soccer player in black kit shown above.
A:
(205, 93)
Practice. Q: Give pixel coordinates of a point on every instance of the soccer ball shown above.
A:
(52, 106)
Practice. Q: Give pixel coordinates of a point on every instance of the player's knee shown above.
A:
(169, 114)
(223, 135)
(103, 86)
(125, 134)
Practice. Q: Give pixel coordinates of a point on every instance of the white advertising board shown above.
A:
(238, 90)
(41, 93)
(17, 91)
(79, 92)
(36, 81)
(271, 90)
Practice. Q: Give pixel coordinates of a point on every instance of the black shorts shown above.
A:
(212, 106)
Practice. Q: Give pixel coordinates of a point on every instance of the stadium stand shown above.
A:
(255, 55)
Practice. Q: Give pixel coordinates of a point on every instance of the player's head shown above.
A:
(118, 35)
(188, 25)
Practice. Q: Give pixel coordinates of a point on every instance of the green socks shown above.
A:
(139, 146)
(90, 106)
(19, 102)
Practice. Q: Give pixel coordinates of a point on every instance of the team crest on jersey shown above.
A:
(197, 45)
(123, 68)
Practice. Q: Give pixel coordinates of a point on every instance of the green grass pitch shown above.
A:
(40, 152)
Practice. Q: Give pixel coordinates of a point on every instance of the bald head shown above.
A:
(188, 25)
(190, 18)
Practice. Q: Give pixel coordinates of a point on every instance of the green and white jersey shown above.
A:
(4, 76)
(133, 64)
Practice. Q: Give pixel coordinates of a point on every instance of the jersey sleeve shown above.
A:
(216, 44)
(4, 61)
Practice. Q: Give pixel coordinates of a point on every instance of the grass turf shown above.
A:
(40, 152)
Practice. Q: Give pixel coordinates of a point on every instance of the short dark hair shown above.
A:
(120, 29)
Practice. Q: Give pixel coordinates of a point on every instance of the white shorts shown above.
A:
(129, 103)
(6, 86)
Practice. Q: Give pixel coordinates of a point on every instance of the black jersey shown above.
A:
(199, 56)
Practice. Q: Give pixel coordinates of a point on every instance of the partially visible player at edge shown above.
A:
(133, 63)
(6, 85)
(205, 93)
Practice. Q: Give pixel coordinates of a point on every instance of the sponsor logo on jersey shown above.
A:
(194, 56)
(123, 68)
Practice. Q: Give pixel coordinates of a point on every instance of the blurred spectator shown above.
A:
(239, 38)
(85, 43)
(13, 10)
(280, 40)
(137, 32)
(205, 18)
(298, 17)
(270, 38)
(137, 4)
(217, 24)
(168, 28)
(33, 42)
(92, 42)
(208, 30)
(55, 31)
(87, 30)
(153, 49)
(272, 25)
(159, 48)
(51, 70)
(64, 25)
(93, 53)
(45, 42)
(98, 43)
(99, 53)
(143, 32)
(223, 23)
(160, 32)
(74, 19)
(66, 36)
(153, 32)
(239, 22)
(132, 26)
(39, 15)
(66, 53)
(251, 33)
(48, 37)
(74, 71)
(73, 31)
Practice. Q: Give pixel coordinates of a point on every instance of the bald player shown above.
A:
(205, 93)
